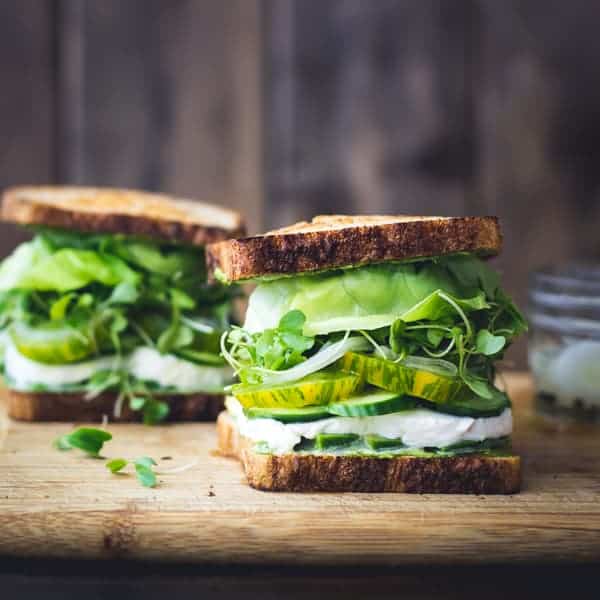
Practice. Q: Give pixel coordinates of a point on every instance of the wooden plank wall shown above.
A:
(27, 98)
(162, 95)
(370, 107)
(434, 107)
(285, 108)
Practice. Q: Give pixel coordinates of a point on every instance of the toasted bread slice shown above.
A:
(334, 241)
(29, 406)
(469, 474)
(128, 212)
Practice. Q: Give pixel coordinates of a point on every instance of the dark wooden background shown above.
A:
(284, 108)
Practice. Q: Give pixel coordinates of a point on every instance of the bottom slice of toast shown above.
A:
(468, 474)
(32, 406)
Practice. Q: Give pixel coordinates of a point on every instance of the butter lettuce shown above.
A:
(33, 266)
(374, 296)
(151, 258)
(166, 260)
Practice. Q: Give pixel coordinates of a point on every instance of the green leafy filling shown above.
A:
(67, 297)
(91, 441)
(353, 445)
(275, 349)
(448, 312)
(86, 439)
(143, 467)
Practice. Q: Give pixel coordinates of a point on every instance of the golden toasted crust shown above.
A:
(334, 241)
(469, 474)
(128, 212)
(29, 406)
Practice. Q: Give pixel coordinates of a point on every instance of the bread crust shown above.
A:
(469, 474)
(128, 212)
(340, 241)
(30, 406)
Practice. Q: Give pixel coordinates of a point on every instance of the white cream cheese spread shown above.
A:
(418, 428)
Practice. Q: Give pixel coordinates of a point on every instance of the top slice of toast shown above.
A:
(336, 241)
(129, 212)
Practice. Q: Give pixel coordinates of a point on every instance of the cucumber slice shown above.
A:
(316, 389)
(327, 441)
(469, 404)
(288, 415)
(375, 403)
(395, 377)
(377, 442)
(469, 447)
(492, 446)
(52, 342)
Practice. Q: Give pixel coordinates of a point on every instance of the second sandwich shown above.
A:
(107, 309)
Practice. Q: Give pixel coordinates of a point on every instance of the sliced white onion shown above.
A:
(24, 372)
(148, 364)
(433, 365)
(422, 363)
(326, 356)
(197, 325)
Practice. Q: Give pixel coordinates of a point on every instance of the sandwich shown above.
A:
(107, 309)
(367, 358)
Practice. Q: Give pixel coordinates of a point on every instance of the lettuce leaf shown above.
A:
(373, 296)
(167, 262)
(436, 306)
(472, 272)
(32, 266)
(16, 266)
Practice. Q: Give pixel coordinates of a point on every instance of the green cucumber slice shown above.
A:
(377, 442)
(469, 404)
(288, 415)
(327, 441)
(397, 377)
(469, 447)
(53, 342)
(319, 388)
(369, 405)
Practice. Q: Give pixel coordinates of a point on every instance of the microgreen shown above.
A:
(91, 442)
(144, 472)
(140, 398)
(137, 402)
(143, 467)
(87, 439)
(472, 336)
(154, 411)
(489, 344)
(116, 464)
(275, 349)
(124, 293)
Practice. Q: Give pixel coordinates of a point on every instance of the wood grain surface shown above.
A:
(55, 504)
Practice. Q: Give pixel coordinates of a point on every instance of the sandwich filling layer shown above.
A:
(98, 312)
(390, 357)
(417, 429)
(164, 373)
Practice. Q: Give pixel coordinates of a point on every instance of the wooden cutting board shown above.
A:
(62, 504)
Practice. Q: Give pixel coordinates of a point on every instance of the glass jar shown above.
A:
(564, 345)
